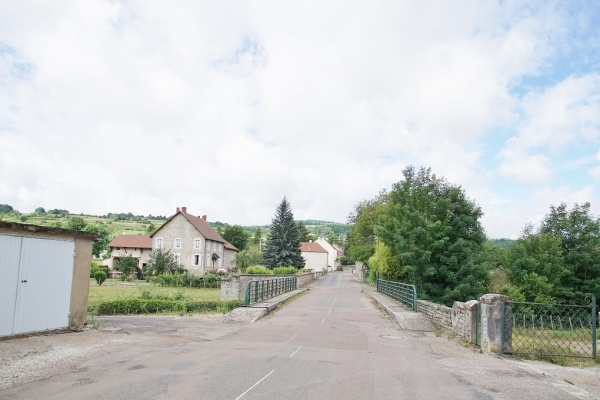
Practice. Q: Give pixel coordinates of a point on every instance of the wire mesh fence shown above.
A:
(549, 329)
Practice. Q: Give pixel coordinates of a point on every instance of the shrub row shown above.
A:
(189, 280)
(258, 270)
(153, 306)
(285, 270)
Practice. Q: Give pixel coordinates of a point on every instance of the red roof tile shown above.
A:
(311, 247)
(132, 241)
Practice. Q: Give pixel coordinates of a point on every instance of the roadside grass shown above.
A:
(100, 296)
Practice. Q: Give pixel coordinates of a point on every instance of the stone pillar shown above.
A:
(471, 320)
(491, 322)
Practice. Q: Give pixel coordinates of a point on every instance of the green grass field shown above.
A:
(99, 294)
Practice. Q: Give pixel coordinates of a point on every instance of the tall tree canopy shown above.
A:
(434, 231)
(303, 230)
(364, 220)
(283, 244)
(236, 236)
(578, 232)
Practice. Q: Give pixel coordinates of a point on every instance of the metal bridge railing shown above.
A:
(402, 292)
(261, 290)
(549, 329)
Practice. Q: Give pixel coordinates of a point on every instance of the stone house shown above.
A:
(136, 246)
(194, 243)
(315, 256)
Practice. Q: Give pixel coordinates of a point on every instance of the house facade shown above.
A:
(195, 244)
(332, 253)
(136, 246)
(315, 256)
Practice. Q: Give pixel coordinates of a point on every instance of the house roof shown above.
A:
(311, 247)
(201, 226)
(132, 241)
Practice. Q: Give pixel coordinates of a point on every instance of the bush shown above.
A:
(210, 280)
(152, 306)
(258, 270)
(100, 277)
(98, 267)
(285, 270)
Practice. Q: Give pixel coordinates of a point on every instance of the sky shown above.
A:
(225, 107)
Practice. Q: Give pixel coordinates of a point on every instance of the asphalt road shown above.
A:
(331, 343)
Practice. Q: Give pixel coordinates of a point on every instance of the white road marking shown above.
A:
(297, 350)
(253, 386)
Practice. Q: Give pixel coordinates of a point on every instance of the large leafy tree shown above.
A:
(236, 236)
(364, 219)
(283, 243)
(162, 262)
(535, 268)
(100, 245)
(127, 265)
(578, 232)
(248, 257)
(434, 230)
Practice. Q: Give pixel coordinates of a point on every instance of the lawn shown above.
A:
(99, 294)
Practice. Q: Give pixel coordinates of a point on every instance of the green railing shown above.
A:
(261, 290)
(549, 329)
(404, 293)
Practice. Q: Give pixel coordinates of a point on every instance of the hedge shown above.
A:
(152, 306)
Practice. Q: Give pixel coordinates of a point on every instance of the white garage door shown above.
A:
(41, 271)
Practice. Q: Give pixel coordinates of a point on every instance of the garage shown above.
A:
(45, 278)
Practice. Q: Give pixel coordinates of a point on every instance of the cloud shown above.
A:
(227, 107)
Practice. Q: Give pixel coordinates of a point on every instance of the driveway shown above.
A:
(332, 342)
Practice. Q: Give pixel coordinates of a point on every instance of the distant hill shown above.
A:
(128, 223)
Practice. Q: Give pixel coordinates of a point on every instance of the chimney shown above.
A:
(204, 218)
(177, 210)
(184, 210)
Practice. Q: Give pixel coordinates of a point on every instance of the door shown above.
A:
(44, 285)
(35, 289)
(10, 254)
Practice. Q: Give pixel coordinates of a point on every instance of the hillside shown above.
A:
(128, 223)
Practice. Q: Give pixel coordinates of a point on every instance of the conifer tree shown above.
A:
(283, 243)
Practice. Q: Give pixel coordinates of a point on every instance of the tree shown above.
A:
(162, 262)
(100, 245)
(151, 228)
(257, 236)
(433, 230)
(5, 209)
(40, 210)
(127, 265)
(578, 232)
(364, 219)
(303, 230)
(76, 223)
(283, 244)
(535, 268)
(383, 262)
(248, 257)
(236, 235)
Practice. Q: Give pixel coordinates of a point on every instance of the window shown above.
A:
(159, 242)
(196, 259)
(178, 243)
(221, 248)
(197, 243)
(177, 258)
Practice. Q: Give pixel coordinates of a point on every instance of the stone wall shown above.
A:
(460, 319)
(234, 287)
